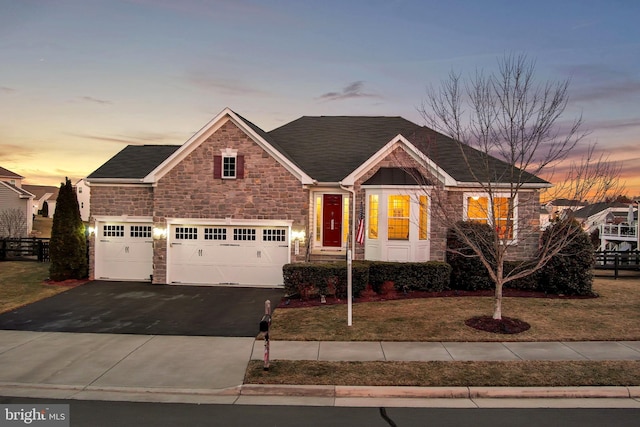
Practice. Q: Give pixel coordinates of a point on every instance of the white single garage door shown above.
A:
(222, 254)
(124, 251)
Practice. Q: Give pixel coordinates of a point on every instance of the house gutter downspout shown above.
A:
(350, 252)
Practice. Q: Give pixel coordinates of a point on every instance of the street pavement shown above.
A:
(201, 369)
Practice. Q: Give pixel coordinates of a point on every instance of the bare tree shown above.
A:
(513, 125)
(13, 223)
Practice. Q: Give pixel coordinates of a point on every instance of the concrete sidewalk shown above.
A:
(211, 370)
(449, 351)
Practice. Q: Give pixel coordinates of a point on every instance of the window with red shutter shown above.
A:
(217, 167)
(228, 166)
(240, 167)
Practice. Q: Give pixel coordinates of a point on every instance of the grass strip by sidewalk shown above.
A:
(447, 374)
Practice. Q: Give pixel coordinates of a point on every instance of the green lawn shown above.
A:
(614, 315)
(22, 282)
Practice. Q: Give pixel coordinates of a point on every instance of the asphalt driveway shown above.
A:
(142, 308)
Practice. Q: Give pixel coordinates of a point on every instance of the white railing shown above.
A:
(619, 231)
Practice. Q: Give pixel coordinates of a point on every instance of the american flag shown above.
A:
(360, 232)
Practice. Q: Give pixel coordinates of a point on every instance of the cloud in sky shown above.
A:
(614, 124)
(352, 90)
(93, 100)
(612, 90)
(226, 86)
(16, 153)
(140, 138)
(7, 90)
(204, 8)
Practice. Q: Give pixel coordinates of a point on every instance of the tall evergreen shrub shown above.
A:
(68, 247)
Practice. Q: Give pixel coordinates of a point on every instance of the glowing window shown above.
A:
(504, 224)
(398, 217)
(318, 217)
(478, 209)
(345, 220)
(424, 218)
(373, 216)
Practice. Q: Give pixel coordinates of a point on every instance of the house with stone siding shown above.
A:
(234, 203)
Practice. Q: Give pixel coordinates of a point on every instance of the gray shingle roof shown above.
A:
(329, 148)
(595, 208)
(397, 176)
(134, 162)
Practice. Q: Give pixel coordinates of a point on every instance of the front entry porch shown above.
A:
(331, 226)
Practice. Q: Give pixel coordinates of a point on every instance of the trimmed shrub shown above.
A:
(431, 276)
(570, 272)
(310, 280)
(528, 283)
(468, 273)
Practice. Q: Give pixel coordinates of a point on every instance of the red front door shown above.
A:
(332, 220)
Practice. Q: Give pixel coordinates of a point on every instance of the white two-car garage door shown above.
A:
(227, 254)
(124, 251)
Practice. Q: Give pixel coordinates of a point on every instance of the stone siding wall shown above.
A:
(117, 201)
(268, 191)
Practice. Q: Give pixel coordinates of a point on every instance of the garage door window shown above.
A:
(113, 231)
(143, 231)
(215, 233)
(274, 235)
(187, 233)
(244, 234)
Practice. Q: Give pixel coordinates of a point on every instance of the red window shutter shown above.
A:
(239, 167)
(217, 167)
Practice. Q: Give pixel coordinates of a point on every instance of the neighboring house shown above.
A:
(558, 208)
(83, 193)
(43, 194)
(616, 224)
(234, 203)
(16, 210)
(592, 216)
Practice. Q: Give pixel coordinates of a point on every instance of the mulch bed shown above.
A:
(370, 296)
(506, 325)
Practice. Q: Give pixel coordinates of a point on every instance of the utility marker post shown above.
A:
(265, 324)
(349, 289)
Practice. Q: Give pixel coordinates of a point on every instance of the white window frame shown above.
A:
(490, 215)
(228, 154)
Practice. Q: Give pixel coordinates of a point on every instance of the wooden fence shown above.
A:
(617, 260)
(24, 248)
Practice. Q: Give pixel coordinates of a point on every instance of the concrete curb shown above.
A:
(326, 391)
(581, 392)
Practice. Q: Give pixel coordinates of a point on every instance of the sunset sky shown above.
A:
(81, 79)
